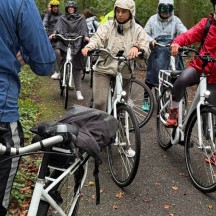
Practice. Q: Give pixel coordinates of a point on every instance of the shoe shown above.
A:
(172, 120)
(130, 153)
(212, 159)
(146, 105)
(79, 95)
(56, 76)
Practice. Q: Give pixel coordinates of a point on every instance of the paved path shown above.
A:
(161, 187)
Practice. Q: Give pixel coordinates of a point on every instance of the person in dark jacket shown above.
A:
(21, 30)
(51, 18)
(72, 24)
(191, 75)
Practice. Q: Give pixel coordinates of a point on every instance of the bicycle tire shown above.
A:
(135, 101)
(61, 79)
(122, 167)
(163, 132)
(201, 172)
(67, 77)
(140, 65)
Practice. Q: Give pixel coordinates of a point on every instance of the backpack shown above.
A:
(94, 25)
(206, 30)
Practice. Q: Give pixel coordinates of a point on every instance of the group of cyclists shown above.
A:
(122, 32)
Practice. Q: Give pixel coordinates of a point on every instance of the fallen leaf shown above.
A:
(120, 194)
(210, 206)
(115, 207)
(94, 196)
(171, 214)
(166, 206)
(175, 188)
(91, 183)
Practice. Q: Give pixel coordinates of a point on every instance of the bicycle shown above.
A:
(53, 176)
(66, 68)
(124, 155)
(195, 129)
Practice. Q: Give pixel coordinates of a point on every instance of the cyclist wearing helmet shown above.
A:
(191, 75)
(72, 24)
(51, 18)
(122, 33)
(162, 28)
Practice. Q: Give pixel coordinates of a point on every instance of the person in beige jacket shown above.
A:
(122, 33)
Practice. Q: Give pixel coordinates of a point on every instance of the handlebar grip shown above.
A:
(182, 49)
(90, 52)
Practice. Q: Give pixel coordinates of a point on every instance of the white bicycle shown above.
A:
(62, 172)
(196, 128)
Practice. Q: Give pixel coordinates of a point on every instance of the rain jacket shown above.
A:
(49, 21)
(92, 24)
(73, 25)
(107, 37)
(156, 26)
(21, 26)
(195, 35)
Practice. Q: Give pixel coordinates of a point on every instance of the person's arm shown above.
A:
(148, 29)
(45, 20)
(193, 35)
(34, 40)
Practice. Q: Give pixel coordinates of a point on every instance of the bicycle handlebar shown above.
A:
(162, 45)
(119, 56)
(60, 133)
(61, 37)
(205, 58)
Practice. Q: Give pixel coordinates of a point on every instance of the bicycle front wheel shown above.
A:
(124, 154)
(201, 157)
(136, 101)
(67, 77)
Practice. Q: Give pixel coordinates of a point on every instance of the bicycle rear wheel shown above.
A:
(124, 154)
(201, 160)
(163, 132)
(136, 100)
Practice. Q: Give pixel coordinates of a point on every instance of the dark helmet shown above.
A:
(71, 4)
(213, 2)
(165, 8)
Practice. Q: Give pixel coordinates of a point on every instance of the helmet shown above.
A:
(54, 2)
(126, 4)
(213, 2)
(165, 8)
(71, 4)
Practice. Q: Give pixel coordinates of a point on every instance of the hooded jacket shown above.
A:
(73, 25)
(21, 28)
(156, 26)
(195, 35)
(108, 37)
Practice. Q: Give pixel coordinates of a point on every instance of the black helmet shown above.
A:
(165, 8)
(213, 2)
(71, 4)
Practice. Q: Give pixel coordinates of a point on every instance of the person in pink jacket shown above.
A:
(191, 75)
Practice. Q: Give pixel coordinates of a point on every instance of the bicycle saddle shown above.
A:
(175, 73)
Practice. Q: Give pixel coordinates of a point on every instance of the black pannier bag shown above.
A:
(97, 129)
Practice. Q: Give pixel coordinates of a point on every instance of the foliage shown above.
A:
(195, 9)
(28, 108)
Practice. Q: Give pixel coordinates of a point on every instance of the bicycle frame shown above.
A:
(41, 193)
(68, 61)
(200, 99)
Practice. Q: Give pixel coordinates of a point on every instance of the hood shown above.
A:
(126, 4)
(166, 2)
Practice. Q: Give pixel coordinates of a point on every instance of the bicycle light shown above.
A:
(207, 93)
(123, 93)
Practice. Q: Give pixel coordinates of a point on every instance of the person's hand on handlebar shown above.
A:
(85, 51)
(153, 43)
(174, 49)
(51, 36)
(133, 52)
